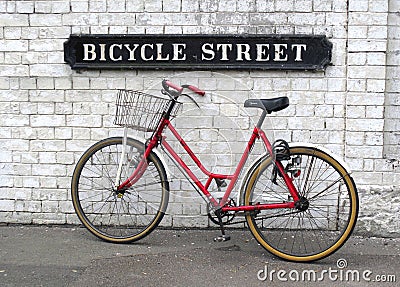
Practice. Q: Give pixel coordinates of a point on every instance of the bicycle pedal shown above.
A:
(222, 238)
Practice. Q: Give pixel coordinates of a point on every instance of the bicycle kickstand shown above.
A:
(222, 237)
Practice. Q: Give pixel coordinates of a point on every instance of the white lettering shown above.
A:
(261, 52)
(332, 274)
(281, 275)
(102, 52)
(323, 272)
(89, 52)
(240, 52)
(366, 275)
(260, 273)
(294, 275)
(224, 51)
(112, 52)
(159, 53)
(308, 275)
(131, 51)
(298, 50)
(220, 52)
(208, 51)
(179, 50)
(280, 51)
(143, 52)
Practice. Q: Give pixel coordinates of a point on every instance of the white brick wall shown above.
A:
(50, 114)
(392, 102)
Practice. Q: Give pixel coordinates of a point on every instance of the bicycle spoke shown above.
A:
(128, 212)
(278, 215)
(100, 173)
(315, 173)
(326, 189)
(108, 177)
(146, 184)
(302, 237)
(309, 169)
(100, 208)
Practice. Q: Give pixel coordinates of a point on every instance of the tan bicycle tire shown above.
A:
(83, 217)
(347, 180)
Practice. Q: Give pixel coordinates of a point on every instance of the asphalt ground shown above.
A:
(71, 256)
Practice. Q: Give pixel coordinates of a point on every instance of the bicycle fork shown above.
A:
(140, 166)
(122, 159)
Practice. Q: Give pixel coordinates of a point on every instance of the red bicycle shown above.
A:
(299, 201)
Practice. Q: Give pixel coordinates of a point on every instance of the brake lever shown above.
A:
(191, 100)
(164, 92)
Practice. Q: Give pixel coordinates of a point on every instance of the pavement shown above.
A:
(71, 256)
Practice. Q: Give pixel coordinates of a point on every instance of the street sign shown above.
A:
(238, 52)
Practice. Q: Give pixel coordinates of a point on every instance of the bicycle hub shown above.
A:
(302, 204)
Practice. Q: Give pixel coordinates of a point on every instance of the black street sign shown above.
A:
(238, 52)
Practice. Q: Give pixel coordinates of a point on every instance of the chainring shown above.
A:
(226, 217)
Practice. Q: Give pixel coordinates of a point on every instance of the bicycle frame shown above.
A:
(158, 137)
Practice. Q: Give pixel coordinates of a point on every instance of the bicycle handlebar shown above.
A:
(195, 89)
(168, 84)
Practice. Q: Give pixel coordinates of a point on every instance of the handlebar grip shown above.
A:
(196, 90)
(172, 85)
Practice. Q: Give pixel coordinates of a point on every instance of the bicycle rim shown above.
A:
(118, 216)
(309, 232)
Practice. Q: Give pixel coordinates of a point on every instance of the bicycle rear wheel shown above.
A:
(119, 216)
(322, 222)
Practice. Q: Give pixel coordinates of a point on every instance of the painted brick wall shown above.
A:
(50, 114)
(392, 109)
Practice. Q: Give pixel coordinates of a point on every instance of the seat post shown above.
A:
(262, 118)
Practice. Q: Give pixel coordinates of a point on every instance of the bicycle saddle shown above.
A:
(271, 105)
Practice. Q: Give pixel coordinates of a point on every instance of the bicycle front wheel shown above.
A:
(323, 219)
(119, 216)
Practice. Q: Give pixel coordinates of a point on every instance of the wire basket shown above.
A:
(141, 111)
